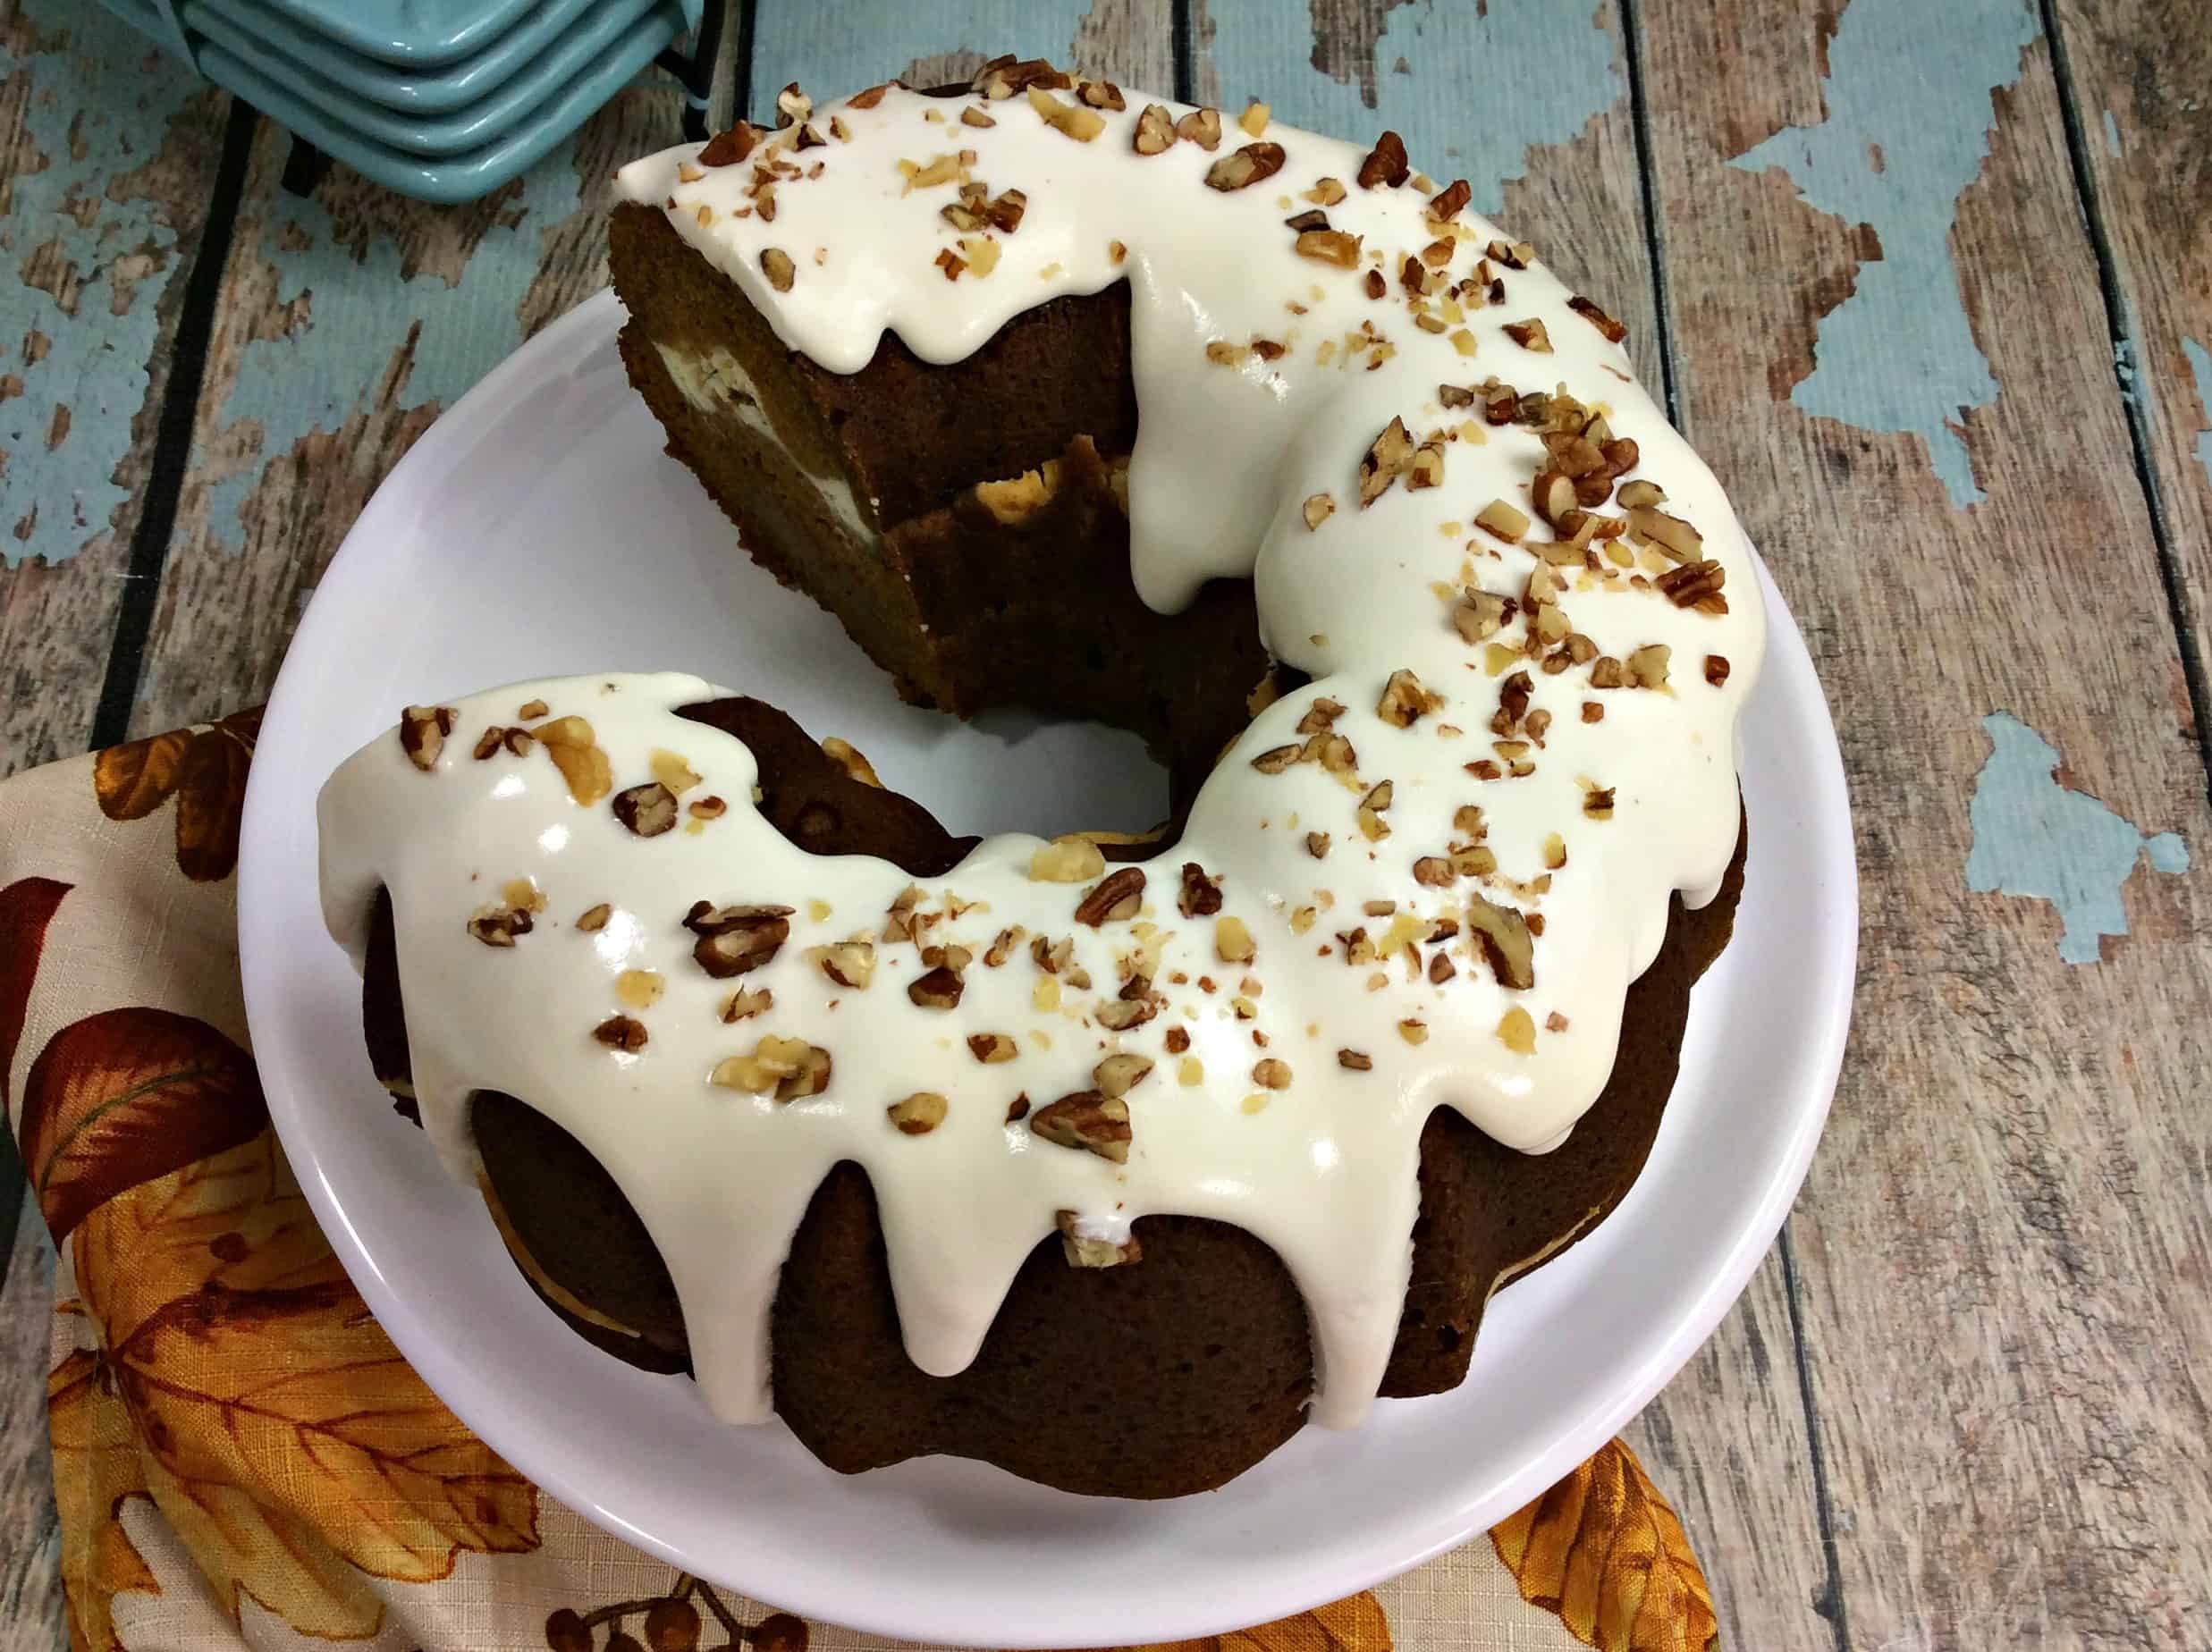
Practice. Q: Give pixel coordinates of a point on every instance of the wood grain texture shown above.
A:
(1726, 1439)
(351, 319)
(33, 1614)
(108, 156)
(2139, 70)
(2003, 1243)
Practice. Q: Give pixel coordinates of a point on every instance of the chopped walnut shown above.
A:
(1270, 1073)
(969, 116)
(1427, 470)
(1554, 851)
(919, 1114)
(1328, 246)
(533, 709)
(1102, 95)
(1319, 508)
(1414, 1030)
(1404, 701)
(727, 148)
(746, 1003)
(1597, 803)
(708, 808)
(1717, 669)
(622, 1032)
(595, 919)
(735, 939)
(1317, 845)
(487, 743)
(1086, 1119)
(1355, 1060)
(1452, 202)
(1386, 163)
(647, 810)
(1202, 127)
(1114, 900)
(776, 265)
(423, 730)
(498, 925)
(1253, 120)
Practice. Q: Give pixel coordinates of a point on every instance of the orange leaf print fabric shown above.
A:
(1352, 1625)
(26, 907)
(127, 1095)
(1605, 1551)
(240, 1383)
(205, 770)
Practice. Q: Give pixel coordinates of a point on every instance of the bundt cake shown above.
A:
(1107, 1161)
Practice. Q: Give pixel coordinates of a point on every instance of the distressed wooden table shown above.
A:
(1929, 284)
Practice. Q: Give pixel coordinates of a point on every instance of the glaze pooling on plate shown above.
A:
(1377, 948)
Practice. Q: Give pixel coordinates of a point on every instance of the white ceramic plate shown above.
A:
(537, 528)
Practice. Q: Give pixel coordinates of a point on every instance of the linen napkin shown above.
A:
(242, 1459)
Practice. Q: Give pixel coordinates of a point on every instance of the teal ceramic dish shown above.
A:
(459, 177)
(423, 91)
(414, 33)
(596, 32)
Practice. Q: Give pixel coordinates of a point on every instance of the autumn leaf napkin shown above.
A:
(242, 1458)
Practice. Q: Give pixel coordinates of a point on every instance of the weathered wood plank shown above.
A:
(830, 53)
(2139, 70)
(2001, 1245)
(1728, 1438)
(108, 155)
(351, 317)
(32, 1614)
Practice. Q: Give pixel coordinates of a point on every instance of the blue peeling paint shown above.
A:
(2112, 136)
(360, 310)
(831, 51)
(2201, 370)
(2033, 837)
(1899, 354)
(99, 106)
(1516, 74)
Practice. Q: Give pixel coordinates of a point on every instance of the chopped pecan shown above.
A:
(1503, 934)
(1385, 164)
(1086, 1119)
(1404, 701)
(1451, 201)
(622, 1032)
(939, 989)
(423, 730)
(1115, 898)
(647, 810)
(727, 148)
(1202, 127)
(1613, 330)
(734, 939)
(1391, 454)
(919, 1114)
(1243, 167)
(1691, 583)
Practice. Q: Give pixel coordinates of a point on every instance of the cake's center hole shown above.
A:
(1014, 771)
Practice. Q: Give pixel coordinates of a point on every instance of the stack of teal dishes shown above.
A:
(440, 99)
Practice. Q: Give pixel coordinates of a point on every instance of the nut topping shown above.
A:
(1503, 934)
(1692, 584)
(991, 1049)
(1319, 508)
(1084, 1251)
(1086, 1119)
(1232, 941)
(576, 752)
(1405, 702)
(1530, 335)
(790, 1068)
(1066, 860)
(919, 1114)
(1242, 168)
(1121, 1072)
(1155, 130)
(1715, 669)
(622, 1032)
(1385, 164)
(497, 926)
(647, 810)
(735, 939)
(939, 989)
(423, 730)
(776, 265)
(1202, 127)
(1069, 120)
(1390, 456)
(1613, 330)
(1114, 900)
(1325, 245)
(848, 963)
(1452, 202)
(1201, 896)
(1355, 1060)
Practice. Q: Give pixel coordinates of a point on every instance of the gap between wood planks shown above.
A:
(1831, 1605)
(2127, 365)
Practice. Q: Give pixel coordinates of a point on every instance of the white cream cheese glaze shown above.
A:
(1231, 452)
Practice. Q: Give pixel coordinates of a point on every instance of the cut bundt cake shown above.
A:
(1106, 1161)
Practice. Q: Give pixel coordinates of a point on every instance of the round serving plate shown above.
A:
(537, 528)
